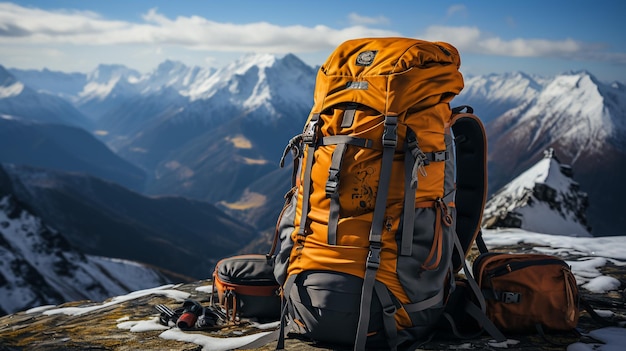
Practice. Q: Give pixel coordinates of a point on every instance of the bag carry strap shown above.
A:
(390, 140)
(283, 329)
(476, 312)
(389, 311)
(309, 137)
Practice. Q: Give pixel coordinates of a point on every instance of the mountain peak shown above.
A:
(544, 199)
(6, 78)
(104, 73)
(260, 60)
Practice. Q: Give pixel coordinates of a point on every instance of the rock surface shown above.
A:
(130, 323)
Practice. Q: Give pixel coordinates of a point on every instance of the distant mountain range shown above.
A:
(217, 135)
(178, 167)
(66, 148)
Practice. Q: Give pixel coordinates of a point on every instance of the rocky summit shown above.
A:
(131, 322)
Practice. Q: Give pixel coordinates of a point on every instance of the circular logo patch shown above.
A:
(366, 58)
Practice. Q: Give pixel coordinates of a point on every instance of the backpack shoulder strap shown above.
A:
(471, 177)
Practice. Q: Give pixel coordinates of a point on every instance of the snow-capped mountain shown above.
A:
(582, 119)
(231, 131)
(494, 94)
(18, 100)
(40, 267)
(210, 134)
(543, 199)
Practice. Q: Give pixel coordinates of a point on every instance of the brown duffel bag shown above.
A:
(524, 292)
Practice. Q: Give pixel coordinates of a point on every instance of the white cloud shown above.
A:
(53, 34)
(20, 25)
(356, 19)
(456, 9)
(472, 40)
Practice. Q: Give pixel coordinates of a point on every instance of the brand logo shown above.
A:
(366, 58)
(357, 85)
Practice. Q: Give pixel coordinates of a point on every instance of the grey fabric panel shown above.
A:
(450, 171)
(254, 270)
(285, 227)
(420, 284)
(327, 303)
(258, 306)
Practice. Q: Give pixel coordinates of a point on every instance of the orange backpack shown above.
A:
(369, 229)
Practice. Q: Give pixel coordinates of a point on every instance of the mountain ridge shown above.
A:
(543, 199)
(105, 219)
(41, 267)
(169, 133)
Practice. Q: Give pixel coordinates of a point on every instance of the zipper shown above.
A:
(436, 250)
(517, 265)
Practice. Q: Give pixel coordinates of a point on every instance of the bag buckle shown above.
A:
(511, 297)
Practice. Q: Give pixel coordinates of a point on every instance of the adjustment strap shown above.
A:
(408, 218)
(477, 312)
(389, 141)
(283, 330)
(425, 304)
(332, 187)
(295, 146)
(389, 311)
(348, 115)
(484, 322)
(346, 139)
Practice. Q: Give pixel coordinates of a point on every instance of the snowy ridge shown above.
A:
(572, 108)
(39, 266)
(515, 86)
(544, 199)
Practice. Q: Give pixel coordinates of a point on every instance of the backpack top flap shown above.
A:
(471, 178)
(381, 74)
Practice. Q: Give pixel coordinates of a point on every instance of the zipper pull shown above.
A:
(388, 223)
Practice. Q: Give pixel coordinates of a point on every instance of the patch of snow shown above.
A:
(142, 326)
(503, 344)
(602, 284)
(610, 339)
(165, 290)
(40, 309)
(11, 90)
(606, 246)
(205, 289)
(210, 343)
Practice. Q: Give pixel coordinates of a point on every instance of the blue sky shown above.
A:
(537, 37)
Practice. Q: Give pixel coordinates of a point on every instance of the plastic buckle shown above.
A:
(390, 310)
(511, 297)
(373, 257)
(440, 156)
(390, 133)
(332, 183)
(309, 136)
